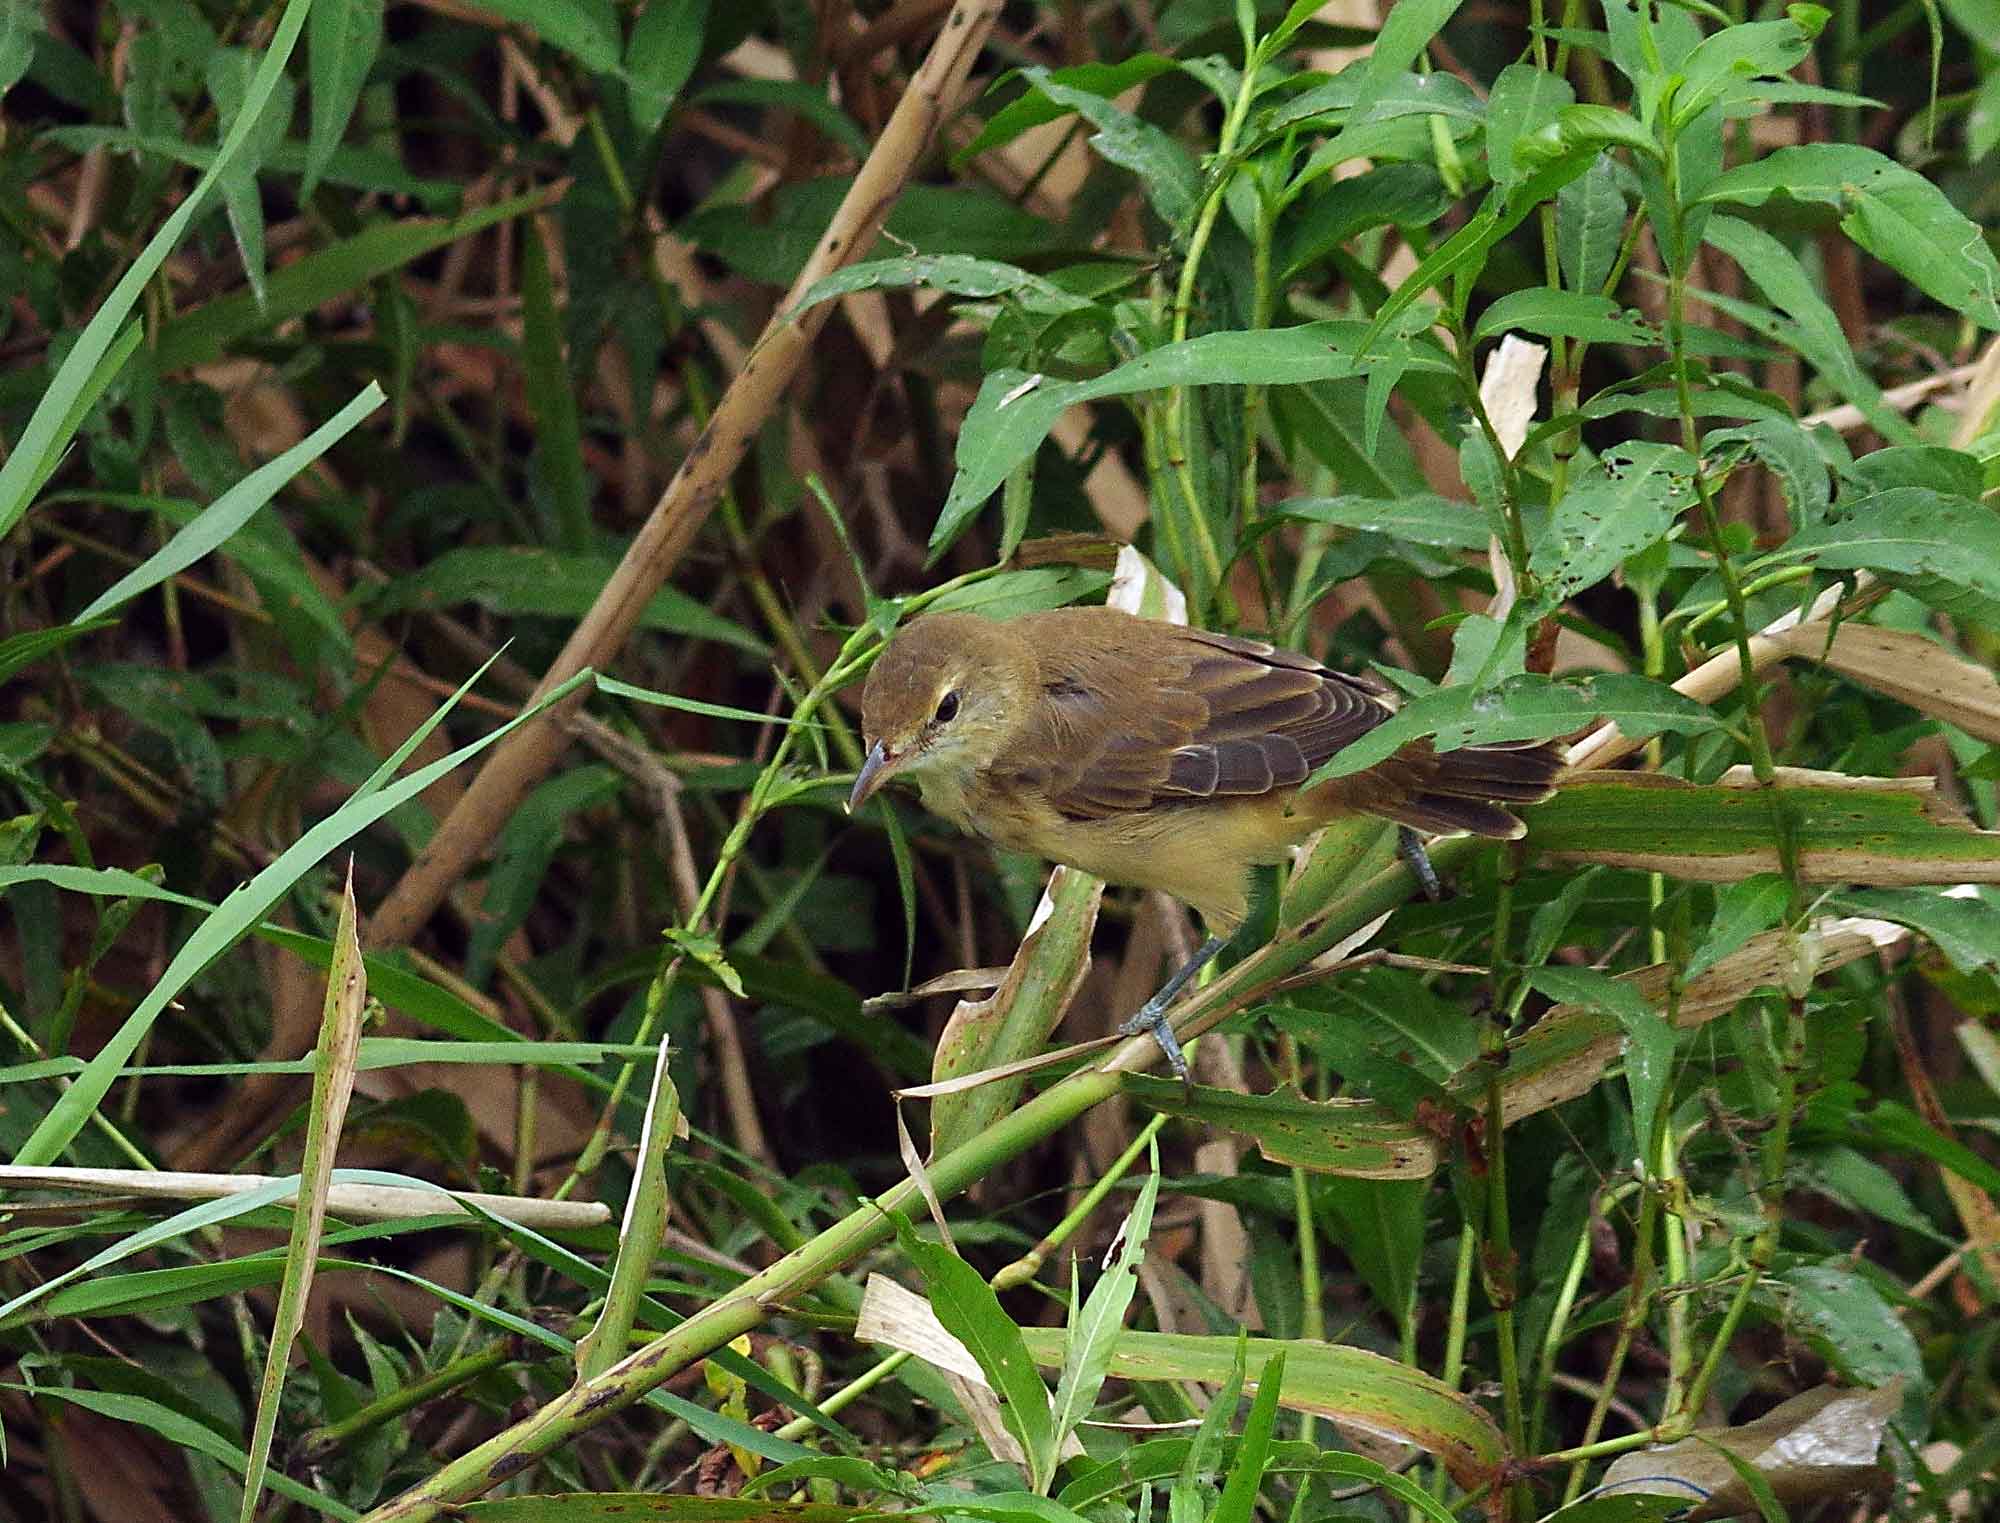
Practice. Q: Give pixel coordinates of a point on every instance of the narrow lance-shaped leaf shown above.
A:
(1892, 212)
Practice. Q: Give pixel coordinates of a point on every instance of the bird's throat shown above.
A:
(947, 785)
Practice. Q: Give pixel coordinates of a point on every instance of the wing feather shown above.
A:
(1218, 717)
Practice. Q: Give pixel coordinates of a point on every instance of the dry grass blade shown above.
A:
(333, 1086)
(350, 1202)
(1906, 666)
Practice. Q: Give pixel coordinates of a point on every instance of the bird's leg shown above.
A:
(1410, 847)
(1151, 1017)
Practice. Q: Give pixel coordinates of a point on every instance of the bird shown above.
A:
(1160, 756)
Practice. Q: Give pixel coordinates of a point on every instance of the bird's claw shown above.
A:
(1151, 1020)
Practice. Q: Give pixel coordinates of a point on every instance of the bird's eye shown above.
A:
(947, 709)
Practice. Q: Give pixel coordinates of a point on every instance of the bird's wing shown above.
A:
(1219, 717)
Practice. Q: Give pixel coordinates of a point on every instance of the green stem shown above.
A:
(1764, 1247)
(1178, 458)
(321, 1444)
(1638, 1297)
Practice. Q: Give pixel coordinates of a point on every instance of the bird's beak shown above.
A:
(875, 771)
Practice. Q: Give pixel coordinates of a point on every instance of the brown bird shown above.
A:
(1155, 755)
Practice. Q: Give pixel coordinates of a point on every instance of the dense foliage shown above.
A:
(459, 463)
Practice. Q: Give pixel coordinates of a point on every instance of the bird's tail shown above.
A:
(1470, 789)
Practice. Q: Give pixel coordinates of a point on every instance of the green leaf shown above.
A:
(237, 916)
(1349, 1385)
(1407, 29)
(1423, 518)
(1845, 832)
(1742, 910)
(611, 687)
(1849, 1324)
(556, 467)
(28, 647)
(1564, 314)
(1814, 330)
(20, 25)
(228, 513)
(1034, 108)
(200, 336)
(1727, 64)
(1313, 227)
(585, 29)
(57, 415)
(1246, 1476)
(1586, 126)
(521, 582)
(1788, 451)
(1014, 411)
(1381, 1230)
(1189, 1498)
(343, 38)
(960, 274)
(1524, 707)
(1964, 926)
(526, 848)
(1523, 100)
(806, 100)
(703, 948)
(1891, 212)
(1097, 1323)
(181, 1432)
(1861, 1184)
(231, 73)
(666, 44)
(1950, 471)
(771, 243)
(195, 1218)
(1944, 550)
(1626, 501)
(1649, 1040)
(1361, 1141)
(1167, 172)
(1590, 226)
(1464, 253)
(971, 1312)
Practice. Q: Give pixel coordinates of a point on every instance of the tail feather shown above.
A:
(1470, 787)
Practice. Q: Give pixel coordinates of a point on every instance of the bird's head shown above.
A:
(945, 696)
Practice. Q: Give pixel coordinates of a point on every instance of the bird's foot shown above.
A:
(1151, 1017)
(1410, 847)
(1151, 1020)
